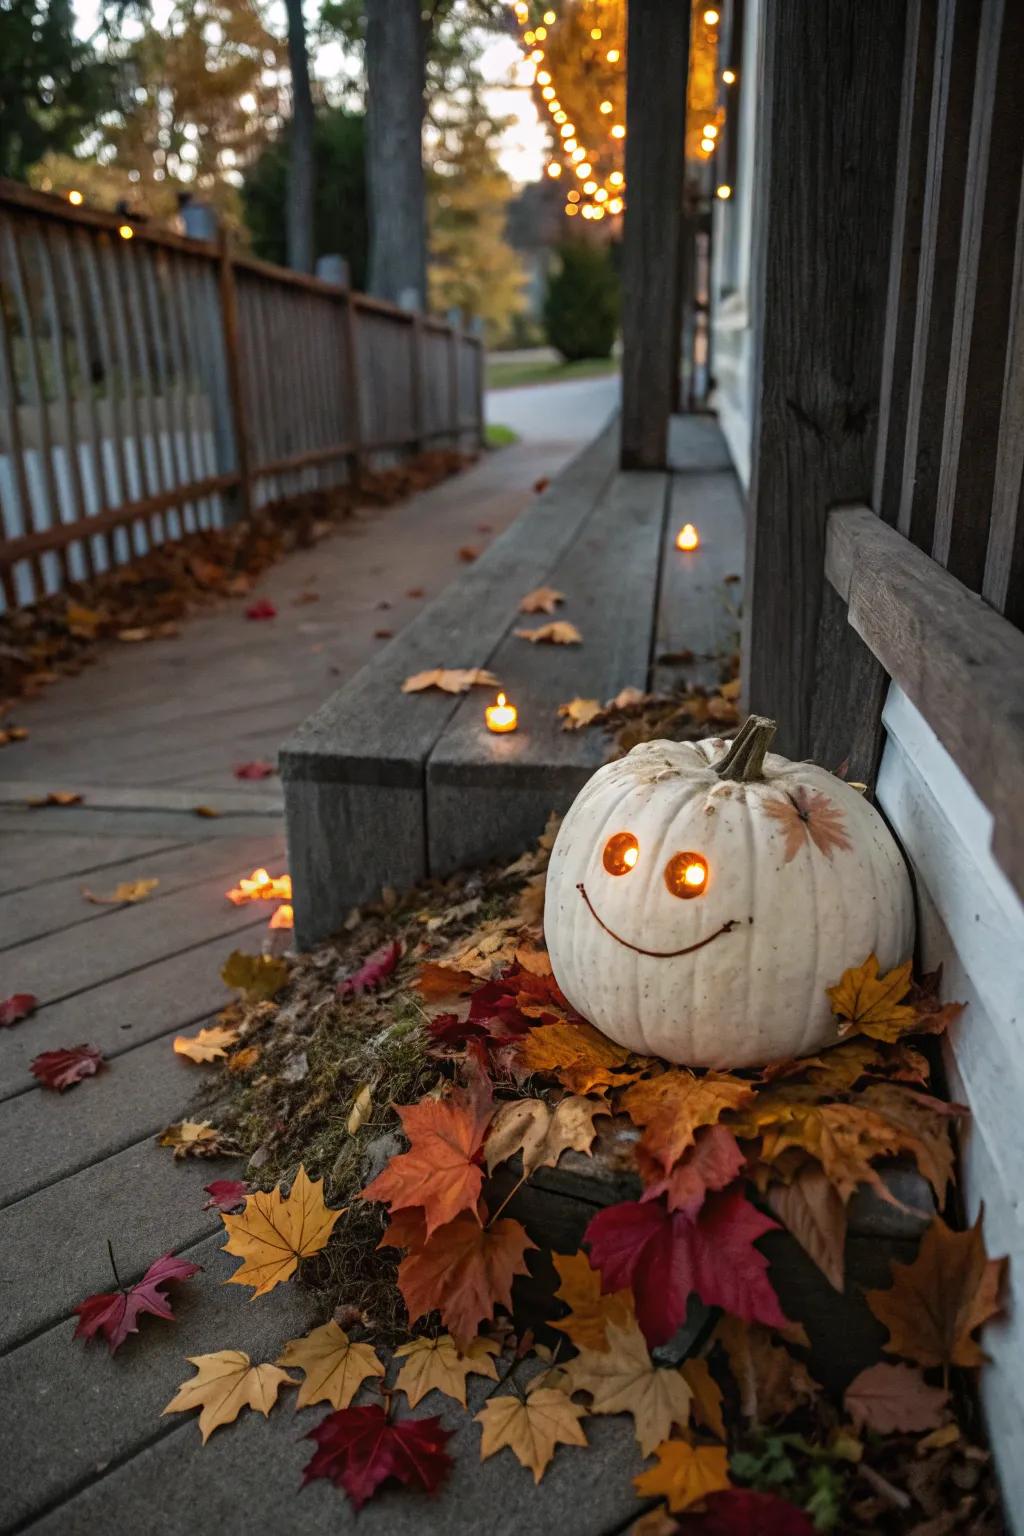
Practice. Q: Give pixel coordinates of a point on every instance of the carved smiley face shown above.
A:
(685, 875)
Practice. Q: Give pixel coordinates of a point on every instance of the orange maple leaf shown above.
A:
(807, 814)
(590, 1312)
(869, 1004)
(934, 1305)
(674, 1105)
(464, 1271)
(578, 1055)
(439, 981)
(441, 1170)
(684, 1474)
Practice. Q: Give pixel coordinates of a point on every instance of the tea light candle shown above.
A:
(501, 716)
(687, 538)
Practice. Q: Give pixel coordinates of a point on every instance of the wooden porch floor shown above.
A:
(145, 735)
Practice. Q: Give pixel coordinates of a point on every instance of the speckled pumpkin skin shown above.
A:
(801, 913)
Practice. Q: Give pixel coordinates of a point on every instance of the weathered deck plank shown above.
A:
(31, 859)
(698, 608)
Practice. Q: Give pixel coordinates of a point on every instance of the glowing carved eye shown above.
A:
(621, 853)
(686, 875)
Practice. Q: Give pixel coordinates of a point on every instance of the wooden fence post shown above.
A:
(658, 49)
(823, 223)
(355, 404)
(416, 380)
(236, 394)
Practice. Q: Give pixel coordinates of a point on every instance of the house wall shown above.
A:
(972, 924)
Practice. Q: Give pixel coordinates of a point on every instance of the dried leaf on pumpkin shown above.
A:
(808, 817)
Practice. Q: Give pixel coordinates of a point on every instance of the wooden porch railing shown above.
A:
(153, 385)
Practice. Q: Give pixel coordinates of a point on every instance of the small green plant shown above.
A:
(581, 310)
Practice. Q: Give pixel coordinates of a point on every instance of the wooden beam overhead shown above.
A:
(657, 62)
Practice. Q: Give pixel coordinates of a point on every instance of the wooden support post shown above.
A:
(658, 48)
(239, 424)
(823, 225)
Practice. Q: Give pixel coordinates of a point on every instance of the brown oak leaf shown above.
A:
(894, 1399)
(935, 1305)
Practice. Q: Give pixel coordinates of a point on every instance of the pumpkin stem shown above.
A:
(744, 760)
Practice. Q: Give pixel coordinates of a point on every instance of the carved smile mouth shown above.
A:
(656, 954)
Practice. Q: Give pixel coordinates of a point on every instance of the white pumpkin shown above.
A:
(702, 895)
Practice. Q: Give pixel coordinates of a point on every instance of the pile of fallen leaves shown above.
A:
(394, 1093)
(147, 599)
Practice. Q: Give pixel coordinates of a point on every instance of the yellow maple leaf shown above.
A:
(208, 1045)
(707, 1395)
(195, 1138)
(591, 1314)
(335, 1367)
(541, 1134)
(578, 1055)
(578, 712)
(561, 632)
(128, 892)
(622, 1378)
(532, 1428)
(275, 1231)
(438, 1365)
(869, 1004)
(258, 977)
(451, 680)
(541, 600)
(684, 1474)
(224, 1384)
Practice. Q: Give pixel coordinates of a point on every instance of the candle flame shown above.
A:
(687, 537)
(502, 701)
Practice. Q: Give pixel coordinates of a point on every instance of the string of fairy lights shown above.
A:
(593, 171)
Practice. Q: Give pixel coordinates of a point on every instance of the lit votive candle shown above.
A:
(501, 715)
(687, 537)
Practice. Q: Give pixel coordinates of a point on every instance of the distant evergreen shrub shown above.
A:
(581, 310)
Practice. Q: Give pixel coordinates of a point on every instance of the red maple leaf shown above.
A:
(665, 1256)
(255, 770)
(745, 1512)
(63, 1068)
(464, 1271)
(374, 969)
(358, 1449)
(14, 1009)
(262, 608)
(711, 1163)
(441, 1170)
(116, 1314)
(225, 1194)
